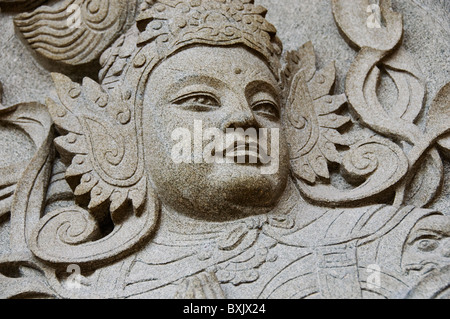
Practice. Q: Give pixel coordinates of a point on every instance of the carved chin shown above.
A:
(226, 193)
(247, 187)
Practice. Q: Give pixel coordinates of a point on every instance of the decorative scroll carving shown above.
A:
(311, 112)
(379, 46)
(75, 32)
(22, 278)
(23, 184)
(98, 130)
(22, 187)
(313, 134)
(71, 235)
(105, 170)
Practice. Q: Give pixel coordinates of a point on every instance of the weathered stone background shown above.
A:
(426, 37)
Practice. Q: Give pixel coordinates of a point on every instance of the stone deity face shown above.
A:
(219, 88)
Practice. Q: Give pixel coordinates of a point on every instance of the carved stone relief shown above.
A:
(208, 159)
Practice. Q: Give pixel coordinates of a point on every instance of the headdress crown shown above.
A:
(169, 25)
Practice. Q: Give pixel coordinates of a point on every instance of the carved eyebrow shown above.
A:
(259, 85)
(192, 80)
(423, 232)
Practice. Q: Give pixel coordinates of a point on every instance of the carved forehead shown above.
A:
(235, 66)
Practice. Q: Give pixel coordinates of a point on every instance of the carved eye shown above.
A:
(427, 244)
(267, 108)
(200, 102)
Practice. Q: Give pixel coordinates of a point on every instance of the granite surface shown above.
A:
(211, 149)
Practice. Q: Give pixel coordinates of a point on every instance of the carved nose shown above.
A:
(241, 117)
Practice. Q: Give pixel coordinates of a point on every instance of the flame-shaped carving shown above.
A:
(102, 149)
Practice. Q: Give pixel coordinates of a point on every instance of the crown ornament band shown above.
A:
(166, 26)
(176, 23)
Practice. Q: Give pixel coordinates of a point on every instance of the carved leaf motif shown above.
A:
(311, 112)
(75, 31)
(25, 181)
(304, 59)
(426, 182)
(322, 82)
(99, 144)
(20, 278)
(410, 84)
(439, 114)
(444, 143)
(303, 169)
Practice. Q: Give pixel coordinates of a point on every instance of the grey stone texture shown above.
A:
(206, 149)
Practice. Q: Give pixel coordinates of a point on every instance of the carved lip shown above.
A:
(244, 150)
(242, 155)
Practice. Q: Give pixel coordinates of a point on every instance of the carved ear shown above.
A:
(101, 145)
(312, 126)
(310, 118)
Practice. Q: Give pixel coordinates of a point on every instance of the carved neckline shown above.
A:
(176, 224)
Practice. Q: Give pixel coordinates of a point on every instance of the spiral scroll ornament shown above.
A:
(75, 32)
